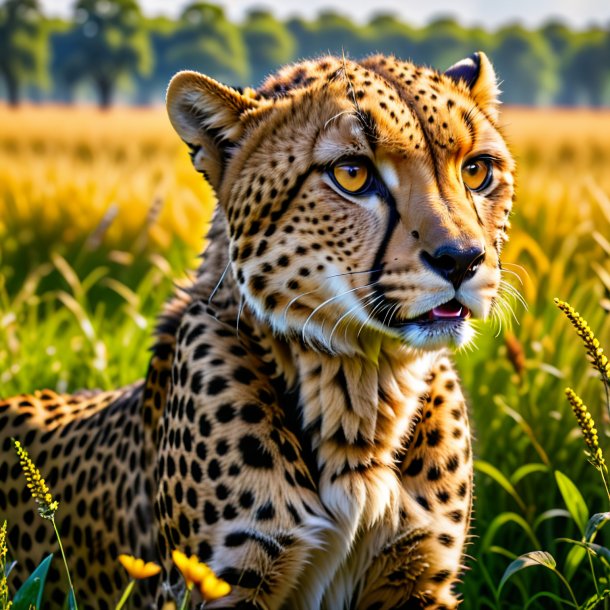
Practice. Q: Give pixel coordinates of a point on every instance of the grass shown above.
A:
(99, 217)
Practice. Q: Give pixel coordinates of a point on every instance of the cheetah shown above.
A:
(300, 428)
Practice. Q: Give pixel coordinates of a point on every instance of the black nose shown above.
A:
(454, 263)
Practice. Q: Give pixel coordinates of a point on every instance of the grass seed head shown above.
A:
(598, 359)
(47, 506)
(588, 429)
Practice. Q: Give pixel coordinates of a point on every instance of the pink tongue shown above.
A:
(448, 310)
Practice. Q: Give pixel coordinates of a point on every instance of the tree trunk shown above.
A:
(105, 90)
(12, 89)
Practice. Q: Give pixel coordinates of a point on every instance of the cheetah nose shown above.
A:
(454, 263)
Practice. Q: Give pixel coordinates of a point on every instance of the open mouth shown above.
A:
(452, 311)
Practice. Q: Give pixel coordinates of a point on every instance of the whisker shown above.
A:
(337, 296)
(222, 277)
(325, 279)
(241, 309)
(358, 305)
(370, 315)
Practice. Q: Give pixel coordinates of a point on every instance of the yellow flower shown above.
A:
(47, 507)
(137, 568)
(212, 587)
(197, 573)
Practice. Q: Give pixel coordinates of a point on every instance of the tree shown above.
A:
(270, 44)
(206, 40)
(524, 63)
(443, 42)
(330, 33)
(106, 44)
(587, 72)
(23, 46)
(393, 37)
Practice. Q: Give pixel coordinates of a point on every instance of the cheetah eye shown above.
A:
(477, 173)
(352, 176)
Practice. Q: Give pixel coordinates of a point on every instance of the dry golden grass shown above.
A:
(66, 168)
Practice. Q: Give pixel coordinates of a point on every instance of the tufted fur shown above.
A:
(300, 427)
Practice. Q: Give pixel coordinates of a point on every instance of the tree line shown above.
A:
(108, 50)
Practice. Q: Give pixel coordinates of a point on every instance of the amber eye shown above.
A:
(351, 176)
(477, 173)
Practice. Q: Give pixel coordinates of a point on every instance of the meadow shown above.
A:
(101, 213)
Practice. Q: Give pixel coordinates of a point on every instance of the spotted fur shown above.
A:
(300, 428)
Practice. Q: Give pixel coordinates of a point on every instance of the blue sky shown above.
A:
(490, 13)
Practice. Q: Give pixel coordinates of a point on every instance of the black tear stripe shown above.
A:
(393, 219)
(476, 210)
(292, 192)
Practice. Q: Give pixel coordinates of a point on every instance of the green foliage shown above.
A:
(106, 43)
(269, 44)
(110, 46)
(23, 46)
(524, 61)
(31, 591)
(207, 41)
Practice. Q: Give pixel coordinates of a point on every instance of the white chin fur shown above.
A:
(437, 335)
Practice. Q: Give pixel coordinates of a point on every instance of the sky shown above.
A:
(489, 13)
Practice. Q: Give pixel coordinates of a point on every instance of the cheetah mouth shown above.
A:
(450, 312)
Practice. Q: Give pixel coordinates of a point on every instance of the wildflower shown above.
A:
(598, 359)
(196, 573)
(5, 604)
(47, 507)
(137, 568)
(587, 426)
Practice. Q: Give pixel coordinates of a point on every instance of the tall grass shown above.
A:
(101, 212)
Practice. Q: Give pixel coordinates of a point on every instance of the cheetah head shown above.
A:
(364, 200)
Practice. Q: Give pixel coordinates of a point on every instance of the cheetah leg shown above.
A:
(232, 486)
(437, 479)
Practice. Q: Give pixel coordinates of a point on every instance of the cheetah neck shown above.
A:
(359, 413)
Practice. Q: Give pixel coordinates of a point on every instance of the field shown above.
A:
(101, 212)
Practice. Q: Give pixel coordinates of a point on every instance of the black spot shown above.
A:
(415, 467)
(225, 413)
(453, 463)
(244, 375)
(446, 540)
(434, 437)
(251, 413)
(456, 516)
(434, 474)
(249, 579)
(423, 502)
(196, 382)
(216, 385)
(246, 499)
(214, 470)
(441, 576)
(210, 514)
(254, 453)
(265, 512)
(443, 496)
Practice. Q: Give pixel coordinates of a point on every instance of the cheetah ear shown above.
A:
(479, 76)
(208, 116)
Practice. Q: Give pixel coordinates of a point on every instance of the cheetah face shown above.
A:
(363, 200)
